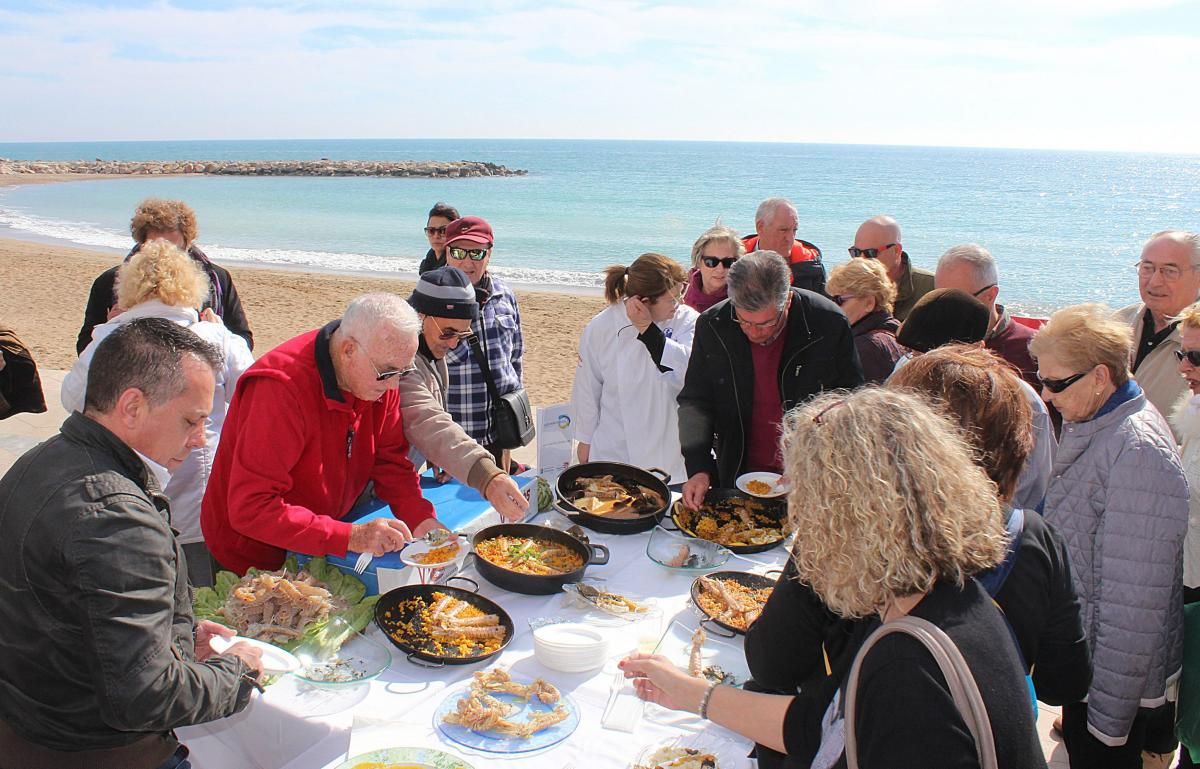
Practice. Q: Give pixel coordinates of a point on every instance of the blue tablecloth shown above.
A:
(456, 505)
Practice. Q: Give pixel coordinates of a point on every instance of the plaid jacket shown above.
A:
(499, 329)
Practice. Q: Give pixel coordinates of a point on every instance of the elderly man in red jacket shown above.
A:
(310, 424)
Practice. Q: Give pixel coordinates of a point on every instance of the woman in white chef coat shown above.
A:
(632, 359)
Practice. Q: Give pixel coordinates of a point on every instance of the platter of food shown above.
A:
(732, 600)
(694, 751)
(424, 554)
(288, 606)
(734, 520)
(615, 604)
(405, 758)
(443, 624)
(764, 485)
(530, 559)
(499, 714)
(694, 651)
(684, 552)
(612, 497)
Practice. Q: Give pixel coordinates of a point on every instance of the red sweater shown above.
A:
(295, 453)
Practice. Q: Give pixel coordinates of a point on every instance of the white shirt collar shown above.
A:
(160, 473)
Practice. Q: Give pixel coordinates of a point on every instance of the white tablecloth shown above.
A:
(293, 726)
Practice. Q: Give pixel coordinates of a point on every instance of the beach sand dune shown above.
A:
(45, 289)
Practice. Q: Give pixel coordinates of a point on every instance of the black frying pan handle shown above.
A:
(715, 629)
(665, 476)
(777, 573)
(474, 584)
(424, 663)
(598, 551)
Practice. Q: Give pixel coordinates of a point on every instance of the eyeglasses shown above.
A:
(840, 299)
(1170, 272)
(712, 261)
(870, 253)
(474, 254)
(436, 230)
(763, 326)
(383, 376)
(1058, 385)
(447, 334)
(1191, 356)
(985, 288)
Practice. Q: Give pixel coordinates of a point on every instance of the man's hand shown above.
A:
(382, 535)
(638, 312)
(206, 630)
(440, 475)
(251, 655)
(426, 526)
(694, 490)
(504, 494)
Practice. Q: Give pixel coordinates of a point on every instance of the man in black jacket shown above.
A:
(101, 656)
(759, 353)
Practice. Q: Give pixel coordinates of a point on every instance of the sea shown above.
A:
(1065, 227)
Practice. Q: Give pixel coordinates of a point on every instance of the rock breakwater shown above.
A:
(401, 168)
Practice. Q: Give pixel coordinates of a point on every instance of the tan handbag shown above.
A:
(958, 676)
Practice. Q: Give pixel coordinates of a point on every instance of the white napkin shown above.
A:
(624, 707)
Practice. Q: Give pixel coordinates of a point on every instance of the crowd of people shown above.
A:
(976, 497)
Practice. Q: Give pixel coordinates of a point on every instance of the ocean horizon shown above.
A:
(1065, 227)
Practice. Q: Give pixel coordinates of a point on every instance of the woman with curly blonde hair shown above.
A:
(161, 281)
(892, 517)
(175, 222)
(863, 290)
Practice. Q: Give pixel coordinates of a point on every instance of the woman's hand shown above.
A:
(638, 312)
(583, 451)
(657, 680)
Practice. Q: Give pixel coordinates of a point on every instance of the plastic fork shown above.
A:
(362, 563)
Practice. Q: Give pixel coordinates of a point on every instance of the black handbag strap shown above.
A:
(481, 358)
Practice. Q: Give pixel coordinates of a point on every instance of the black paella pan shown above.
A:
(628, 476)
(396, 610)
(773, 512)
(535, 584)
(744, 578)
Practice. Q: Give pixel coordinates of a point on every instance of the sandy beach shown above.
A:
(45, 289)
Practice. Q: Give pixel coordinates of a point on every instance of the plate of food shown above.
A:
(742, 523)
(431, 555)
(763, 485)
(288, 606)
(346, 658)
(685, 553)
(695, 751)
(496, 713)
(443, 624)
(732, 599)
(405, 758)
(700, 655)
(593, 596)
(274, 659)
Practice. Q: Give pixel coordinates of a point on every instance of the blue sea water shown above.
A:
(1065, 226)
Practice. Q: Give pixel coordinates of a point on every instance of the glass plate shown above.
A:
(491, 742)
(425, 758)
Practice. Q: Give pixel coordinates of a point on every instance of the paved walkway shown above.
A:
(20, 433)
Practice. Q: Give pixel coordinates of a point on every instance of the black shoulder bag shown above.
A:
(511, 412)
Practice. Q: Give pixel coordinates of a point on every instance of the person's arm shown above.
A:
(1062, 667)
(74, 386)
(518, 345)
(697, 406)
(395, 477)
(1139, 548)
(100, 301)
(677, 350)
(238, 358)
(1035, 474)
(232, 314)
(587, 387)
(125, 605)
(784, 646)
(440, 439)
(272, 436)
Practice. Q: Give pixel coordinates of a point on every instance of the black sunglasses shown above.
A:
(870, 253)
(1191, 356)
(435, 230)
(712, 261)
(1058, 385)
(840, 299)
(447, 334)
(474, 254)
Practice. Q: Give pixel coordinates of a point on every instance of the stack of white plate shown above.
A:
(570, 647)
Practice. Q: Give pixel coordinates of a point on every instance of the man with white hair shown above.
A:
(879, 238)
(310, 424)
(1168, 280)
(971, 268)
(775, 224)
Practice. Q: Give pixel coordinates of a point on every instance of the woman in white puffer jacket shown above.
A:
(160, 281)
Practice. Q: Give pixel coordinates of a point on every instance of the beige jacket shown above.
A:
(433, 435)
(1159, 373)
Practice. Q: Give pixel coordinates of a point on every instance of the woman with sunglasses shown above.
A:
(438, 220)
(1119, 497)
(713, 254)
(866, 294)
(632, 360)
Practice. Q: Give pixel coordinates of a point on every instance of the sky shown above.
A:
(1064, 74)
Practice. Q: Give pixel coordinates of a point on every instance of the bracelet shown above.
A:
(703, 711)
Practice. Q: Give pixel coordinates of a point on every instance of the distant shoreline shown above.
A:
(420, 169)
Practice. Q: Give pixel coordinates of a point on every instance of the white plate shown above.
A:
(770, 479)
(420, 547)
(274, 659)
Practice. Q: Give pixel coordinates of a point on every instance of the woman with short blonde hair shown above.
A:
(893, 518)
(713, 253)
(866, 294)
(1118, 495)
(161, 271)
(632, 359)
